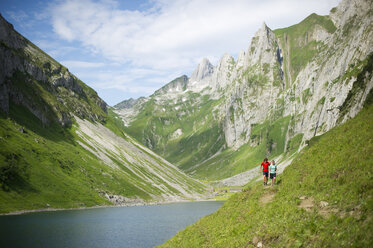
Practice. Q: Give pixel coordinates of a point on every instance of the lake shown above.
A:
(138, 226)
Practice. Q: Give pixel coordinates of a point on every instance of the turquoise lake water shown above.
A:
(139, 226)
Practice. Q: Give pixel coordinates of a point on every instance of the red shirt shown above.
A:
(265, 166)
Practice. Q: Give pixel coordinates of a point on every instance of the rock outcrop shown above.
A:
(204, 69)
(94, 161)
(290, 85)
(25, 69)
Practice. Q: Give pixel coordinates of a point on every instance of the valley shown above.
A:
(288, 86)
(300, 95)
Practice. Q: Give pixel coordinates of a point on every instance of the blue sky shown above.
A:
(126, 49)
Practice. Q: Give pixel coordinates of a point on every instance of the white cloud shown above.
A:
(124, 80)
(82, 64)
(171, 35)
(177, 32)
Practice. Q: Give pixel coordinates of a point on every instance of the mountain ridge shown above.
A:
(63, 147)
(304, 72)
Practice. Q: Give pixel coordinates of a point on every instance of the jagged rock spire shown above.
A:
(204, 69)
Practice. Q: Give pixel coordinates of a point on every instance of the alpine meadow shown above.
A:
(300, 95)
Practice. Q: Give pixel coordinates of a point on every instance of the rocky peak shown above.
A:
(241, 58)
(225, 61)
(204, 69)
(262, 47)
(288, 86)
(264, 27)
(175, 86)
(126, 103)
(265, 34)
(222, 73)
(9, 36)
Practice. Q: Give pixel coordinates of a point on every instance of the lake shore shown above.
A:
(131, 204)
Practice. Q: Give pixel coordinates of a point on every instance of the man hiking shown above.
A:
(265, 166)
(272, 172)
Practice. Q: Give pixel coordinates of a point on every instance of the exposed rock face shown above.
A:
(175, 86)
(31, 81)
(24, 68)
(290, 85)
(261, 48)
(145, 169)
(322, 107)
(204, 69)
(128, 103)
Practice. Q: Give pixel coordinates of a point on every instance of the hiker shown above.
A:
(265, 166)
(272, 172)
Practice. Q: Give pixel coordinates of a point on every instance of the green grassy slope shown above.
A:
(201, 149)
(271, 140)
(298, 46)
(46, 167)
(201, 135)
(335, 168)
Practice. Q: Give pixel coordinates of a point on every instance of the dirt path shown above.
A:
(306, 203)
(267, 197)
(254, 173)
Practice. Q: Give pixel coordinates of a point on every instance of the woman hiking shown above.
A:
(265, 166)
(272, 172)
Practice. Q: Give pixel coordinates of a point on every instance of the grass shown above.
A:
(334, 168)
(41, 162)
(115, 123)
(220, 195)
(201, 137)
(294, 143)
(294, 41)
(360, 72)
(201, 148)
(45, 167)
(52, 93)
(270, 138)
(306, 94)
(202, 141)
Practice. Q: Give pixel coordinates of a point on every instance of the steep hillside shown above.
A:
(61, 146)
(323, 199)
(290, 85)
(31, 78)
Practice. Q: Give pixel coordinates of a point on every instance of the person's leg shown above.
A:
(266, 177)
(271, 177)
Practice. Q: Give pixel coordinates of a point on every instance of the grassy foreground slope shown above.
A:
(323, 199)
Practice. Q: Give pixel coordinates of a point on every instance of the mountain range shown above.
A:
(289, 85)
(63, 147)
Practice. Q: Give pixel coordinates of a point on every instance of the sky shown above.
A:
(125, 49)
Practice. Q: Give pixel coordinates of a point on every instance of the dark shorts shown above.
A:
(265, 173)
(272, 175)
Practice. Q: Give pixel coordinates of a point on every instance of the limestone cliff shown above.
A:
(31, 78)
(288, 86)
